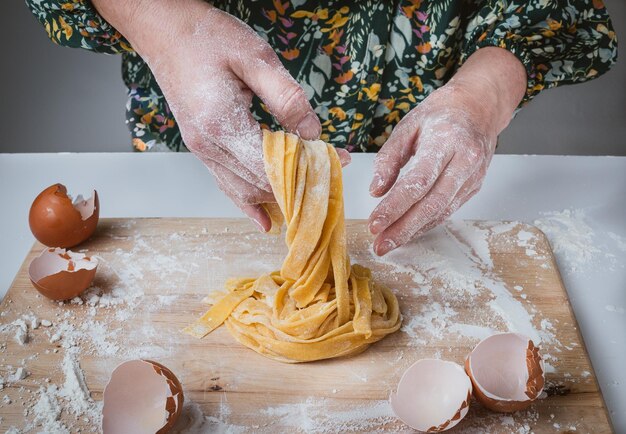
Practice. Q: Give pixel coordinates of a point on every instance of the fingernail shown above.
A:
(309, 128)
(377, 225)
(385, 247)
(258, 223)
(377, 182)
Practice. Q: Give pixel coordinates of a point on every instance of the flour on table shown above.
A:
(571, 237)
(620, 241)
(612, 308)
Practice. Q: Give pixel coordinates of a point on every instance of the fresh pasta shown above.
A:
(317, 306)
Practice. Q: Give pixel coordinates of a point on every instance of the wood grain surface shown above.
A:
(154, 273)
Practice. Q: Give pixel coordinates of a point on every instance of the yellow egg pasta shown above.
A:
(317, 306)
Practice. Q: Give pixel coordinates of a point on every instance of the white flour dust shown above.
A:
(451, 266)
(448, 268)
(118, 294)
(313, 416)
(570, 236)
(192, 420)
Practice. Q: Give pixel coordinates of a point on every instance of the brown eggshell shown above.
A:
(142, 397)
(57, 222)
(432, 395)
(174, 403)
(61, 274)
(507, 372)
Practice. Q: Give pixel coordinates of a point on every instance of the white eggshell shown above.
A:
(54, 260)
(86, 207)
(433, 395)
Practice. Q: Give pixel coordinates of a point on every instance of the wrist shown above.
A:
(497, 80)
(120, 14)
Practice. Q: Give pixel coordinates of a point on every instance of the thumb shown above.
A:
(282, 95)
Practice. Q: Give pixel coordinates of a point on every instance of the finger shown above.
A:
(452, 208)
(458, 201)
(427, 210)
(344, 156)
(394, 154)
(236, 187)
(410, 188)
(467, 191)
(223, 120)
(255, 212)
(258, 215)
(240, 135)
(284, 97)
(230, 162)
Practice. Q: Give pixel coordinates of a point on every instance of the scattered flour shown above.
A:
(620, 241)
(166, 300)
(73, 397)
(454, 264)
(74, 390)
(456, 258)
(47, 411)
(570, 236)
(21, 332)
(192, 420)
(18, 375)
(432, 317)
(313, 415)
(616, 309)
(117, 295)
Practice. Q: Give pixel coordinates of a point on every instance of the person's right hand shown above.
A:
(208, 65)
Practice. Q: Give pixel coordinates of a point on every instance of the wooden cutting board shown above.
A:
(461, 282)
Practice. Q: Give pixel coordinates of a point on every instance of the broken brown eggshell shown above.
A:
(432, 396)
(56, 221)
(61, 274)
(142, 397)
(507, 372)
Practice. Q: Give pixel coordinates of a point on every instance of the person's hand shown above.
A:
(443, 147)
(208, 65)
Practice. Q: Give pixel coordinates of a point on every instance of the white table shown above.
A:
(516, 188)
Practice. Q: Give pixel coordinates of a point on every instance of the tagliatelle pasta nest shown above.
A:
(317, 306)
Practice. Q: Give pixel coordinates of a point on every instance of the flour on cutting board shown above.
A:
(122, 273)
(454, 264)
(447, 267)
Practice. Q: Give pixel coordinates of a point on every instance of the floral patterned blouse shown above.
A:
(364, 64)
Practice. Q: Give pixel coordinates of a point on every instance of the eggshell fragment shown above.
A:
(56, 221)
(433, 395)
(507, 372)
(61, 274)
(142, 397)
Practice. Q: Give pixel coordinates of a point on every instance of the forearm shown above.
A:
(141, 21)
(498, 79)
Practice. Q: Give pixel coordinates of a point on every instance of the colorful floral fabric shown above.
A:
(365, 64)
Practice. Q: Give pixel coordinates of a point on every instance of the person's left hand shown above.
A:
(443, 147)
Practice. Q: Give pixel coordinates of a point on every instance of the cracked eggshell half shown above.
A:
(433, 395)
(56, 221)
(142, 397)
(507, 372)
(61, 274)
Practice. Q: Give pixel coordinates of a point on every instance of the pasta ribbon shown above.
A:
(317, 306)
